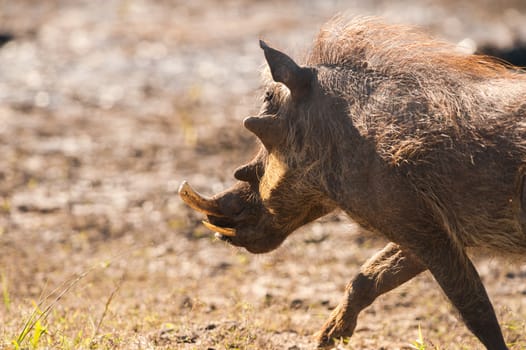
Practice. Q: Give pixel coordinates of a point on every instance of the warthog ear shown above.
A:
(285, 70)
(268, 129)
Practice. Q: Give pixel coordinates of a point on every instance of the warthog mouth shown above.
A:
(223, 227)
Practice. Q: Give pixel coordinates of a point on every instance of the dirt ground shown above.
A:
(107, 105)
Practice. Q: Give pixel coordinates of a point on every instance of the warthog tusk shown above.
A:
(230, 232)
(197, 202)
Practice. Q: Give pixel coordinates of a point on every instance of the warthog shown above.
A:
(412, 139)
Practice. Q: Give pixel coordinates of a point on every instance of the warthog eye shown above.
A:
(269, 94)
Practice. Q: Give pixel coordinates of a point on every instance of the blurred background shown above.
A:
(107, 105)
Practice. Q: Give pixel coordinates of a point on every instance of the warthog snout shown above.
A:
(236, 217)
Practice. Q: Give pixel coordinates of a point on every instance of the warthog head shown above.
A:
(280, 189)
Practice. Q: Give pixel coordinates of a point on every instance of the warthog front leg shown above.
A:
(458, 278)
(386, 270)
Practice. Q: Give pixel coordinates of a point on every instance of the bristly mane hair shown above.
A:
(392, 47)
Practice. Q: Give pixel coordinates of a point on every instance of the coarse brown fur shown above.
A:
(412, 139)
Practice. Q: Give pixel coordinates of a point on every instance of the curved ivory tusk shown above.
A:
(198, 202)
(230, 232)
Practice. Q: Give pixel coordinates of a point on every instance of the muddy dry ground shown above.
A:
(106, 106)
